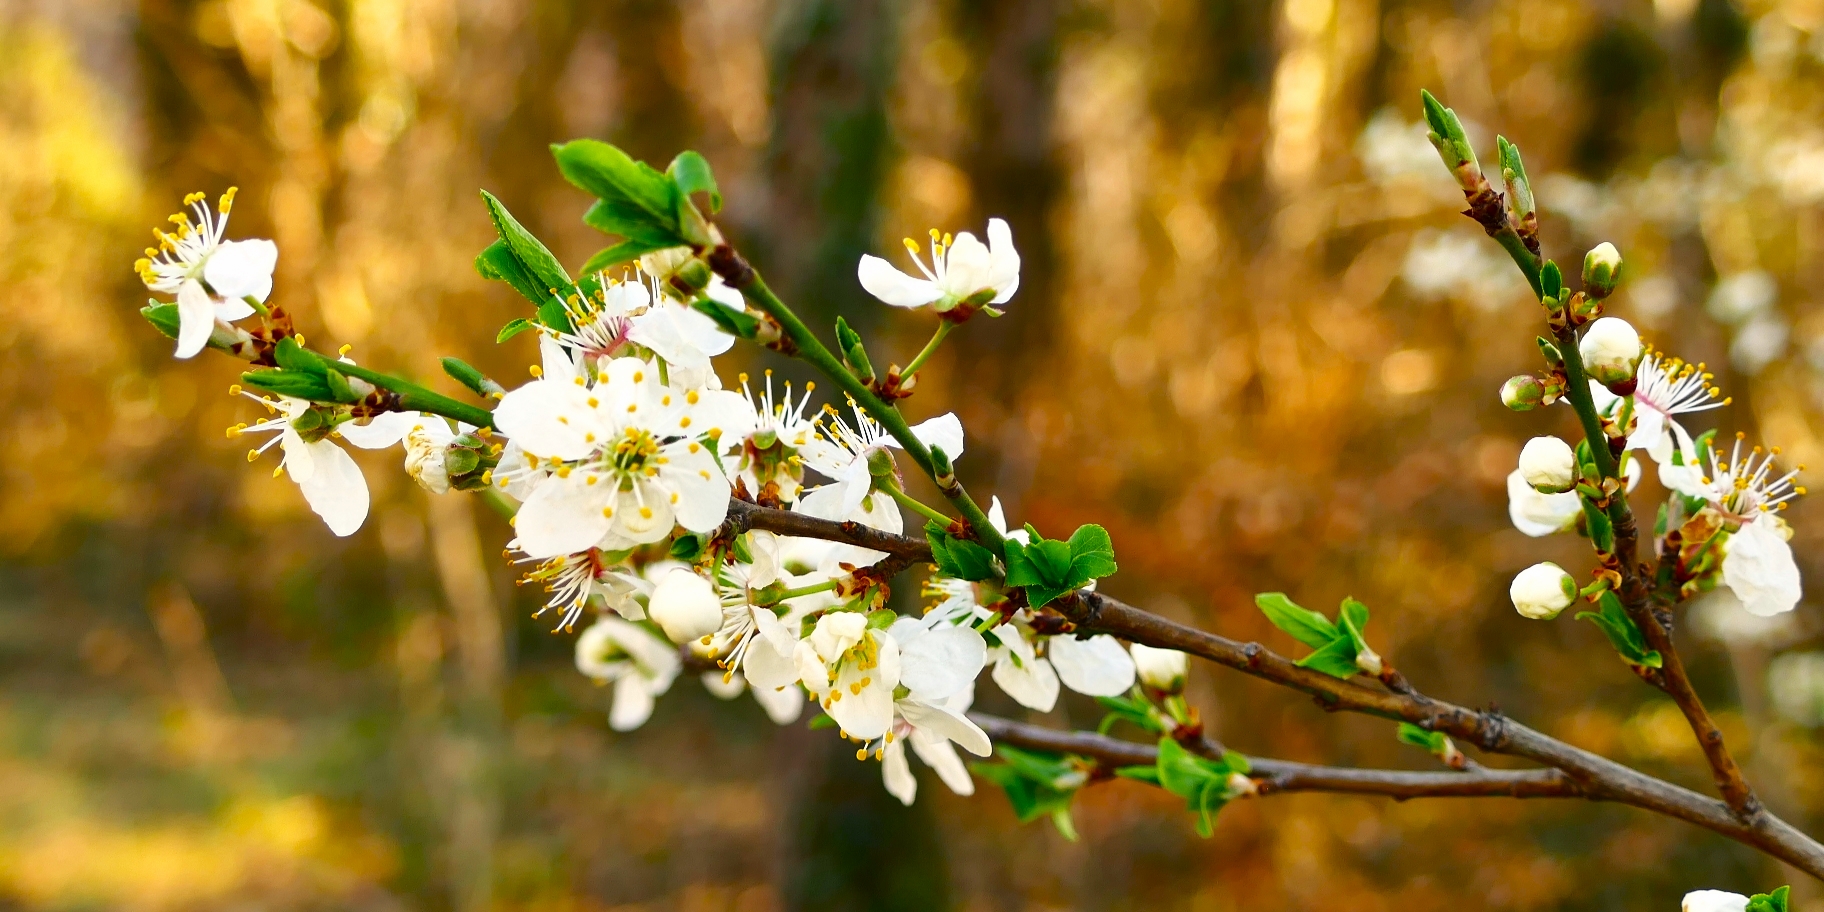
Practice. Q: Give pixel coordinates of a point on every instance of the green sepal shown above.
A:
(688, 546)
(496, 261)
(882, 618)
(1622, 632)
(1446, 133)
(531, 253)
(1549, 350)
(1777, 901)
(290, 383)
(163, 317)
(1306, 626)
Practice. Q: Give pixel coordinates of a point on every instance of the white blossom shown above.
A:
(331, 482)
(843, 454)
(629, 457)
(1160, 669)
(1097, 666)
(783, 705)
(852, 670)
(770, 454)
(1743, 488)
(1665, 388)
(573, 580)
(639, 664)
(1538, 514)
(931, 728)
(960, 268)
(1542, 591)
(211, 277)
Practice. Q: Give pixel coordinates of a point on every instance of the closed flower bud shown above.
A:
(1160, 669)
(1542, 590)
(425, 462)
(1611, 353)
(685, 606)
(1549, 465)
(1522, 393)
(1713, 901)
(1601, 270)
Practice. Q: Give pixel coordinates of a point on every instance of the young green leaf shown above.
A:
(295, 384)
(1623, 634)
(513, 328)
(553, 314)
(528, 250)
(162, 316)
(633, 200)
(1777, 901)
(734, 322)
(1092, 555)
(1336, 658)
(690, 171)
(498, 262)
(1306, 626)
(1135, 711)
(1432, 742)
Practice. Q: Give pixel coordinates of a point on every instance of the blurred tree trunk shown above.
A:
(849, 844)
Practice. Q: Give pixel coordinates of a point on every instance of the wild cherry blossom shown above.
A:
(331, 482)
(852, 670)
(843, 454)
(211, 277)
(630, 457)
(639, 665)
(768, 461)
(961, 268)
(1747, 494)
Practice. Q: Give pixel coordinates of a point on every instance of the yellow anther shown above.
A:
(684, 422)
(536, 371)
(690, 397)
(744, 376)
(253, 455)
(645, 512)
(861, 754)
(912, 246)
(279, 470)
(593, 479)
(639, 376)
(594, 402)
(608, 512)
(234, 389)
(487, 476)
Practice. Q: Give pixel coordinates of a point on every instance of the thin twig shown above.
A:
(1276, 776)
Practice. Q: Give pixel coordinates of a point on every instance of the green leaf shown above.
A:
(1146, 774)
(531, 253)
(1092, 555)
(734, 322)
(1136, 711)
(633, 200)
(1430, 741)
(1306, 626)
(971, 561)
(1353, 618)
(513, 328)
(497, 262)
(1336, 658)
(295, 384)
(691, 173)
(338, 386)
(1037, 785)
(552, 313)
(821, 721)
(1622, 632)
(686, 547)
(625, 251)
(1777, 901)
(162, 316)
(1551, 280)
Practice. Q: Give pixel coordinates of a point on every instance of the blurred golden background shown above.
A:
(1253, 338)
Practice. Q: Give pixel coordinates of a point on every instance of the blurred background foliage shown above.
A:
(1252, 338)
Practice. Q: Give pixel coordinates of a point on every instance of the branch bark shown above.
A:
(1595, 776)
(1276, 776)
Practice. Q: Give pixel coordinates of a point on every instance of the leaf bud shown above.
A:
(942, 470)
(1554, 359)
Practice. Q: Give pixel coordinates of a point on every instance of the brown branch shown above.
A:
(1596, 776)
(1276, 776)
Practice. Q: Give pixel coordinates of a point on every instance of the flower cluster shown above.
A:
(622, 453)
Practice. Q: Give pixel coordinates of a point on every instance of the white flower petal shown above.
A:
(783, 705)
(633, 703)
(937, 663)
(944, 431)
(1004, 261)
(701, 489)
(947, 724)
(896, 774)
(722, 685)
(942, 758)
(1032, 683)
(335, 488)
(1758, 567)
(195, 319)
(1539, 514)
(388, 428)
(551, 418)
(967, 266)
(242, 269)
(892, 286)
(563, 516)
(1097, 667)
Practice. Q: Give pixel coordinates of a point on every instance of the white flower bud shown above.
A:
(1549, 465)
(1601, 269)
(1160, 669)
(1713, 901)
(1611, 353)
(685, 606)
(1542, 590)
(424, 461)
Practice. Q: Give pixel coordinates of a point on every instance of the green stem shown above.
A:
(500, 503)
(415, 398)
(937, 339)
(258, 306)
(1528, 262)
(811, 349)
(915, 505)
(788, 594)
